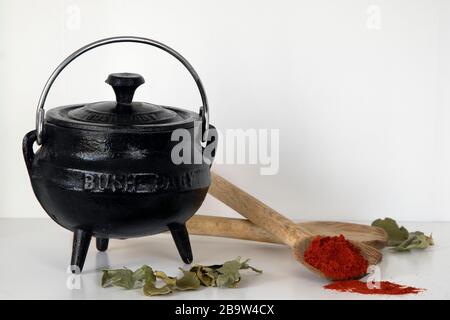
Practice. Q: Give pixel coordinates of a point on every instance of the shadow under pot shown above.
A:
(121, 169)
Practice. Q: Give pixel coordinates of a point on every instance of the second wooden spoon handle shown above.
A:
(256, 211)
(228, 228)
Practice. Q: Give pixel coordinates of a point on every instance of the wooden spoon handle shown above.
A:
(245, 230)
(256, 211)
(229, 228)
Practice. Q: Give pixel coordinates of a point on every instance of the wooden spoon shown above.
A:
(275, 223)
(244, 229)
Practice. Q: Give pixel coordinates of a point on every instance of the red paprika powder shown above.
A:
(336, 257)
(385, 287)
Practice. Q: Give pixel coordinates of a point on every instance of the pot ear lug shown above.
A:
(81, 242)
(209, 150)
(102, 244)
(27, 148)
(181, 237)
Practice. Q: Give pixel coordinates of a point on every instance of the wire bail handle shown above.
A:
(40, 111)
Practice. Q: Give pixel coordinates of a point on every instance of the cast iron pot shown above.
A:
(119, 169)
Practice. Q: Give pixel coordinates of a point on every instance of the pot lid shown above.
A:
(124, 111)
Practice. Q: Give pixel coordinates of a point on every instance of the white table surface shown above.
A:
(35, 253)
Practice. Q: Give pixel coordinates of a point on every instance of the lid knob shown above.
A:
(124, 85)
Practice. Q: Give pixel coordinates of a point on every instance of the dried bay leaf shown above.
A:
(395, 233)
(245, 265)
(189, 281)
(416, 240)
(170, 281)
(229, 275)
(127, 279)
(143, 275)
(151, 290)
(206, 275)
(399, 237)
(118, 278)
(225, 275)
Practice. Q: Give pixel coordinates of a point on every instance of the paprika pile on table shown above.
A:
(384, 287)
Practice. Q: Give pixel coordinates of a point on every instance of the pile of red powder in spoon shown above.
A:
(338, 259)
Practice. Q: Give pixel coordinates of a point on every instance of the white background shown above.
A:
(363, 112)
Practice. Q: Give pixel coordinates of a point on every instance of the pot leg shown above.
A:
(181, 238)
(102, 244)
(81, 241)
